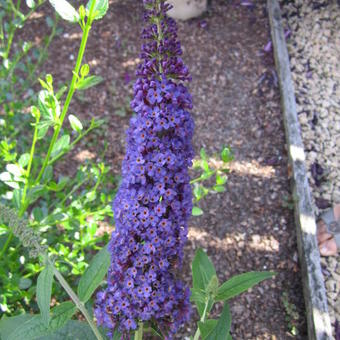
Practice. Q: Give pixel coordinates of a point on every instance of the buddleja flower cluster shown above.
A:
(154, 201)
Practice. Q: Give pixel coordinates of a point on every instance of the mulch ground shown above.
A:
(236, 103)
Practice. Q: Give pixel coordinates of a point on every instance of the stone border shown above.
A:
(318, 321)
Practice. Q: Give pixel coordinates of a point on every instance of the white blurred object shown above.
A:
(187, 9)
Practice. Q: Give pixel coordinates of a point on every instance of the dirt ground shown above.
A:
(236, 103)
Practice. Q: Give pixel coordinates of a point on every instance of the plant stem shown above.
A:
(139, 332)
(71, 90)
(204, 315)
(8, 241)
(80, 305)
(29, 167)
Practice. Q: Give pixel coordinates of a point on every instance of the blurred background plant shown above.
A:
(72, 212)
(21, 61)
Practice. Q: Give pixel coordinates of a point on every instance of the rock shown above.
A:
(187, 9)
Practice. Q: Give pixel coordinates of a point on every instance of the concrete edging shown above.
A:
(318, 321)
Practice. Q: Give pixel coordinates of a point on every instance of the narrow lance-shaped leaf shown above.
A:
(202, 272)
(206, 327)
(88, 82)
(240, 283)
(222, 328)
(44, 290)
(94, 274)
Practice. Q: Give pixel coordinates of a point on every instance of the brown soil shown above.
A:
(237, 103)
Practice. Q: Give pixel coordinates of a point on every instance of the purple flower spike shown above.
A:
(154, 201)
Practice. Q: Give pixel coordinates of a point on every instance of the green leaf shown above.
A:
(100, 8)
(49, 80)
(212, 286)
(61, 91)
(34, 193)
(62, 183)
(17, 196)
(30, 3)
(24, 159)
(73, 330)
(94, 274)
(205, 166)
(61, 314)
(38, 214)
(151, 327)
(35, 112)
(207, 174)
(61, 144)
(82, 12)
(43, 128)
(76, 125)
(197, 295)
(226, 155)
(85, 69)
(44, 290)
(49, 106)
(8, 179)
(240, 283)
(219, 188)
(196, 211)
(25, 283)
(48, 174)
(34, 327)
(221, 180)
(14, 170)
(65, 10)
(89, 82)
(198, 191)
(203, 154)
(8, 325)
(202, 272)
(222, 328)
(206, 327)
(117, 335)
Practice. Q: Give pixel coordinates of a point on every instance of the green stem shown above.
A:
(80, 305)
(71, 90)
(29, 167)
(139, 332)
(204, 315)
(8, 241)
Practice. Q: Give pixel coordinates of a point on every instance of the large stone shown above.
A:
(187, 9)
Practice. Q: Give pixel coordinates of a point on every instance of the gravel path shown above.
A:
(236, 103)
(314, 49)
